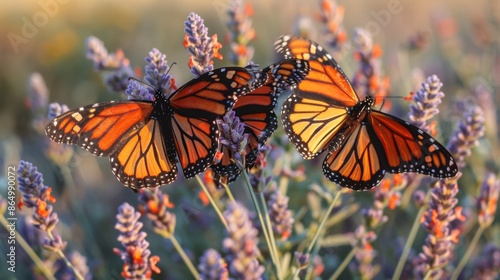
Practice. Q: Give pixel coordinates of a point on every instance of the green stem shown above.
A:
(66, 261)
(38, 262)
(344, 263)
(184, 257)
(467, 254)
(274, 256)
(271, 234)
(228, 192)
(212, 202)
(409, 241)
(323, 220)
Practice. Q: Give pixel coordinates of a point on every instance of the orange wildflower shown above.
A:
(216, 47)
(20, 204)
(153, 261)
(377, 51)
(42, 209)
(153, 206)
(203, 198)
(49, 195)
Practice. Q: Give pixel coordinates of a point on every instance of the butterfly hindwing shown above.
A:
(146, 159)
(383, 143)
(356, 163)
(407, 148)
(195, 142)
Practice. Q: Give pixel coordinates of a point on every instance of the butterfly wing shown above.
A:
(196, 106)
(407, 148)
(124, 131)
(146, 159)
(383, 143)
(256, 111)
(99, 128)
(317, 109)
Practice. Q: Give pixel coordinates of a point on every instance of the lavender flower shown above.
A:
(155, 204)
(425, 102)
(241, 32)
(79, 263)
(368, 79)
(36, 195)
(136, 257)
(212, 266)
(318, 267)
(202, 47)
(56, 109)
(257, 178)
(469, 129)
(302, 260)
(488, 265)
(304, 26)
(365, 253)
(488, 200)
(38, 93)
(281, 218)
(241, 244)
(442, 233)
(419, 198)
(233, 137)
(331, 16)
(156, 75)
(484, 96)
(37, 101)
(115, 66)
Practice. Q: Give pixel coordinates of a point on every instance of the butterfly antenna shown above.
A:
(165, 76)
(384, 98)
(140, 82)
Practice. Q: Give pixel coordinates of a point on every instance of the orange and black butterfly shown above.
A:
(256, 111)
(325, 114)
(145, 139)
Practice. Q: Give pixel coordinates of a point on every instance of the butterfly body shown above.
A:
(324, 113)
(146, 139)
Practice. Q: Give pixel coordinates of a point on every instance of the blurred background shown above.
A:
(456, 40)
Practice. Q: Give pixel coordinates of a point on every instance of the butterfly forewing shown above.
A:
(99, 128)
(213, 93)
(325, 81)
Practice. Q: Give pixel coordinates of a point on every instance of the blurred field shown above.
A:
(456, 50)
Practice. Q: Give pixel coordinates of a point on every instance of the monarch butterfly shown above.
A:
(145, 139)
(256, 111)
(324, 113)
